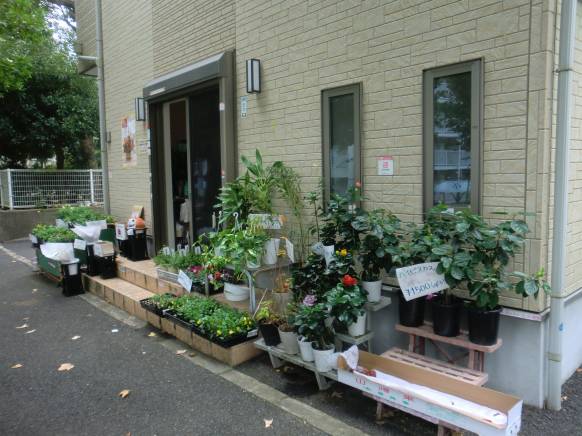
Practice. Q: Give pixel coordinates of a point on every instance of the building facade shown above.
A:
(457, 97)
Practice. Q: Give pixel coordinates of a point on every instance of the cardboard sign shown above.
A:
(120, 232)
(79, 244)
(420, 280)
(185, 281)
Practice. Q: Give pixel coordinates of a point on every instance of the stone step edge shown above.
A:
(145, 280)
(119, 293)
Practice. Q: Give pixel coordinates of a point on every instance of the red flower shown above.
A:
(348, 281)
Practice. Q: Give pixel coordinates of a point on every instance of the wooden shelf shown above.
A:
(425, 331)
(347, 339)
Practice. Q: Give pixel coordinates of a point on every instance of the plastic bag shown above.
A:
(60, 251)
(90, 233)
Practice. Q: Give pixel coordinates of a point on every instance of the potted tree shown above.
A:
(494, 247)
(310, 323)
(346, 303)
(268, 322)
(379, 229)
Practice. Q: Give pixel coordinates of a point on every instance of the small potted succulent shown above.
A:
(310, 324)
(268, 322)
(346, 303)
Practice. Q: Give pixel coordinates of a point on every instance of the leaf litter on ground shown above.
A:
(66, 367)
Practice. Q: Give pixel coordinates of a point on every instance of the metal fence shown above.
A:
(21, 189)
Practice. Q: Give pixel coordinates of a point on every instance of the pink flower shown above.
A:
(309, 300)
(196, 269)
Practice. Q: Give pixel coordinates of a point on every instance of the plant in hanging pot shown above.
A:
(346, 303)
(268, 322)
(310, 324)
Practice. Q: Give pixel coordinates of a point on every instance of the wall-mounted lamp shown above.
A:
(253, 76)
(140, 114)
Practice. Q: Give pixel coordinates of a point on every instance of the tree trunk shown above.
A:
(87, 150)
(60, 154)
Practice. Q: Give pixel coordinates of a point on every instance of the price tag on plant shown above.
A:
(79, 244)
(185, 281)
(420, 280)
(120, 232)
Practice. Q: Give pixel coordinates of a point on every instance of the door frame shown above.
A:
(218, 69)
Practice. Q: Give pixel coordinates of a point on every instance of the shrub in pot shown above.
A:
(268, 322)
(379, 229)
(494, 246)
(309, 322)
(346, 303)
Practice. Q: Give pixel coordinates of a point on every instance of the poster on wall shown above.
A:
(128, 142)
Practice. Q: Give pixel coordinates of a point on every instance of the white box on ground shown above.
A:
(429, 396)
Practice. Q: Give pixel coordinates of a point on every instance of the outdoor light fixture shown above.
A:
(253, 76)
(140, 114)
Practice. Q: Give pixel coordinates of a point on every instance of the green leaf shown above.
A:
(457, 273)
(530, 287)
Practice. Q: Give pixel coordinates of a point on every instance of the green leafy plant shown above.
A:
(309, 321)
(346, 301)
(337, 219)
(380, 234)
(82, 214)
(48, 233)
(341, 264)
(266, 315)
(309, 278)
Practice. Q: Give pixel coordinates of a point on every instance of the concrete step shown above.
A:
(143, 274)
(118, 292)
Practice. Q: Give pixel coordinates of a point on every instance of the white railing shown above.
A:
(21, 189)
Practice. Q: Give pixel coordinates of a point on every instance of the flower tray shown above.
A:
(148, 305)
(230, 342)
(174, 317)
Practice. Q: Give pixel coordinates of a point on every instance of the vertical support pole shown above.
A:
(92, 182)
(10, 193)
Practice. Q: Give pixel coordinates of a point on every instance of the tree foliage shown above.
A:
(53, 112)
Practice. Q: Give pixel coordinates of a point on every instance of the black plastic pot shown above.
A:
(483, 325)
(270, 334)
(446, 318)
(107, 267)
(92, 262)
(411, 313)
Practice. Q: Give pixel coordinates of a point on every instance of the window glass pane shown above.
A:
(342, 139)
(452, 140)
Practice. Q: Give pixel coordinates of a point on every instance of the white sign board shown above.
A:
(290, 250)
(120, 232)
(385, 166)
(79, 244)
(185, 281)
(33, 239)
(420, 280)
(244, 106)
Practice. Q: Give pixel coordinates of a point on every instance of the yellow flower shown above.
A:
(230, 332)
(344, 252)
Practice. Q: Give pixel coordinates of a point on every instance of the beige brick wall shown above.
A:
(127, 48)
(306, 47)
(187, 31)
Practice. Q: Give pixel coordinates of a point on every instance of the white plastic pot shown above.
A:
(358, 328)
(305, 349)
(289, 342)
(323, 358)
(271, 249)
(374, 290)
(234, 292)
(328, 251)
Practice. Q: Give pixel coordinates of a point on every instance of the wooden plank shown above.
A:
(476, 378)
(462, 340)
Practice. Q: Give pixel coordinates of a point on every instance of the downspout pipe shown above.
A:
(102, 119)
(558, 277)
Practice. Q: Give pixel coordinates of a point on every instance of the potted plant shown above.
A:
(268, 322)
(494, 247)
(305, 335)
(310, 323)
(379, 229)
(346, 303)
(287, 333)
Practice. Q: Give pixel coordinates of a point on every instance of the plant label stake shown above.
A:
(185, 281)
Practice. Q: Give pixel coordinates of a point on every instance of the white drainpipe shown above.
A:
(102, 120)
(557, 322)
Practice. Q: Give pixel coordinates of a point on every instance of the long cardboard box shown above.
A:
(424, 405)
